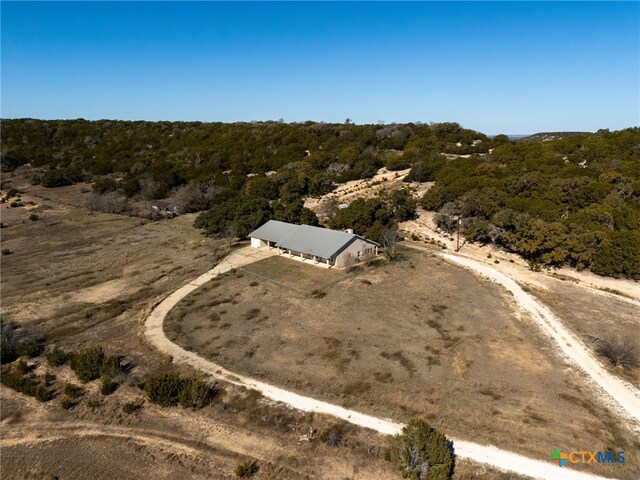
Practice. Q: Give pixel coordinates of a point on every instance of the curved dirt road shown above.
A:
(490, 455)
(623, 397)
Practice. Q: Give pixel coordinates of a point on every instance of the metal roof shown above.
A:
(274, 231)
(318, 241)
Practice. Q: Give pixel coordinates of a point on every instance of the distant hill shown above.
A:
(548, 136)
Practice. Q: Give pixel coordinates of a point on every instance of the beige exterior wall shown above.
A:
(352, 250)
(357, 247)
(257, 243)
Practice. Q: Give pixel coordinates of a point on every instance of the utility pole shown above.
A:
(458, 242)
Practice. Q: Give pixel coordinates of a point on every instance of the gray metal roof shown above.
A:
(274, 231)
(318, 241)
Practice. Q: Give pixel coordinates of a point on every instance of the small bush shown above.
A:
(87, 363)
(22, 367)
(7, 351)
(332, 436)
(55, 178)
(619, 352)
(163, 388)
(42, 393)
(534, 265)
(30, 348)
(57, 357)
(93, 403)
(132, 407)
(107, 386)
(67, 403)
(28, 385)
(6, 251)
(14, 379)
(73, 391)
(196, 394)
(48, 378)
(111, 366)
(34, 217)
(247, 469)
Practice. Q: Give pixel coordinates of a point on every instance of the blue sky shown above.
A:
(497, 67)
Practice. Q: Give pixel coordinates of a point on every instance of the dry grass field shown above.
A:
(596, 317)
(83, 278)
(415, 337)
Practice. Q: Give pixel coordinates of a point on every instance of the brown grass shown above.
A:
(429, 341)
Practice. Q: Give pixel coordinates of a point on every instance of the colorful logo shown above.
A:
(579, 456)
(559, 458)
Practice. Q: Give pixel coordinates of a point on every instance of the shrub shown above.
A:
(6, 251)
(110, 202)
(67, 403)
(421, 452)
(163, 388)
(132, 407)
(42, 393)
(73, 391)
(247, 469)
(87, 363)
(48, 378)
(30, 348)
(332, 436)
(12, 378)
(22, 367)
(55, 178)
(108, 386)
(7, 343)
(28, 385)
(104, 185)
(195, 394)
(34, 217)
(534, 265)
(619, 352)
(57, 357)
(111, 366)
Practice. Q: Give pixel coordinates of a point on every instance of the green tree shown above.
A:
(421, 452)
(55, 178)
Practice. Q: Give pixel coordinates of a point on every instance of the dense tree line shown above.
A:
(571, 201)
(174, 153)
(574, 200)
(241, 174)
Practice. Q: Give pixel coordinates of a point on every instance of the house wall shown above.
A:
(358, 246)
(257, 243)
